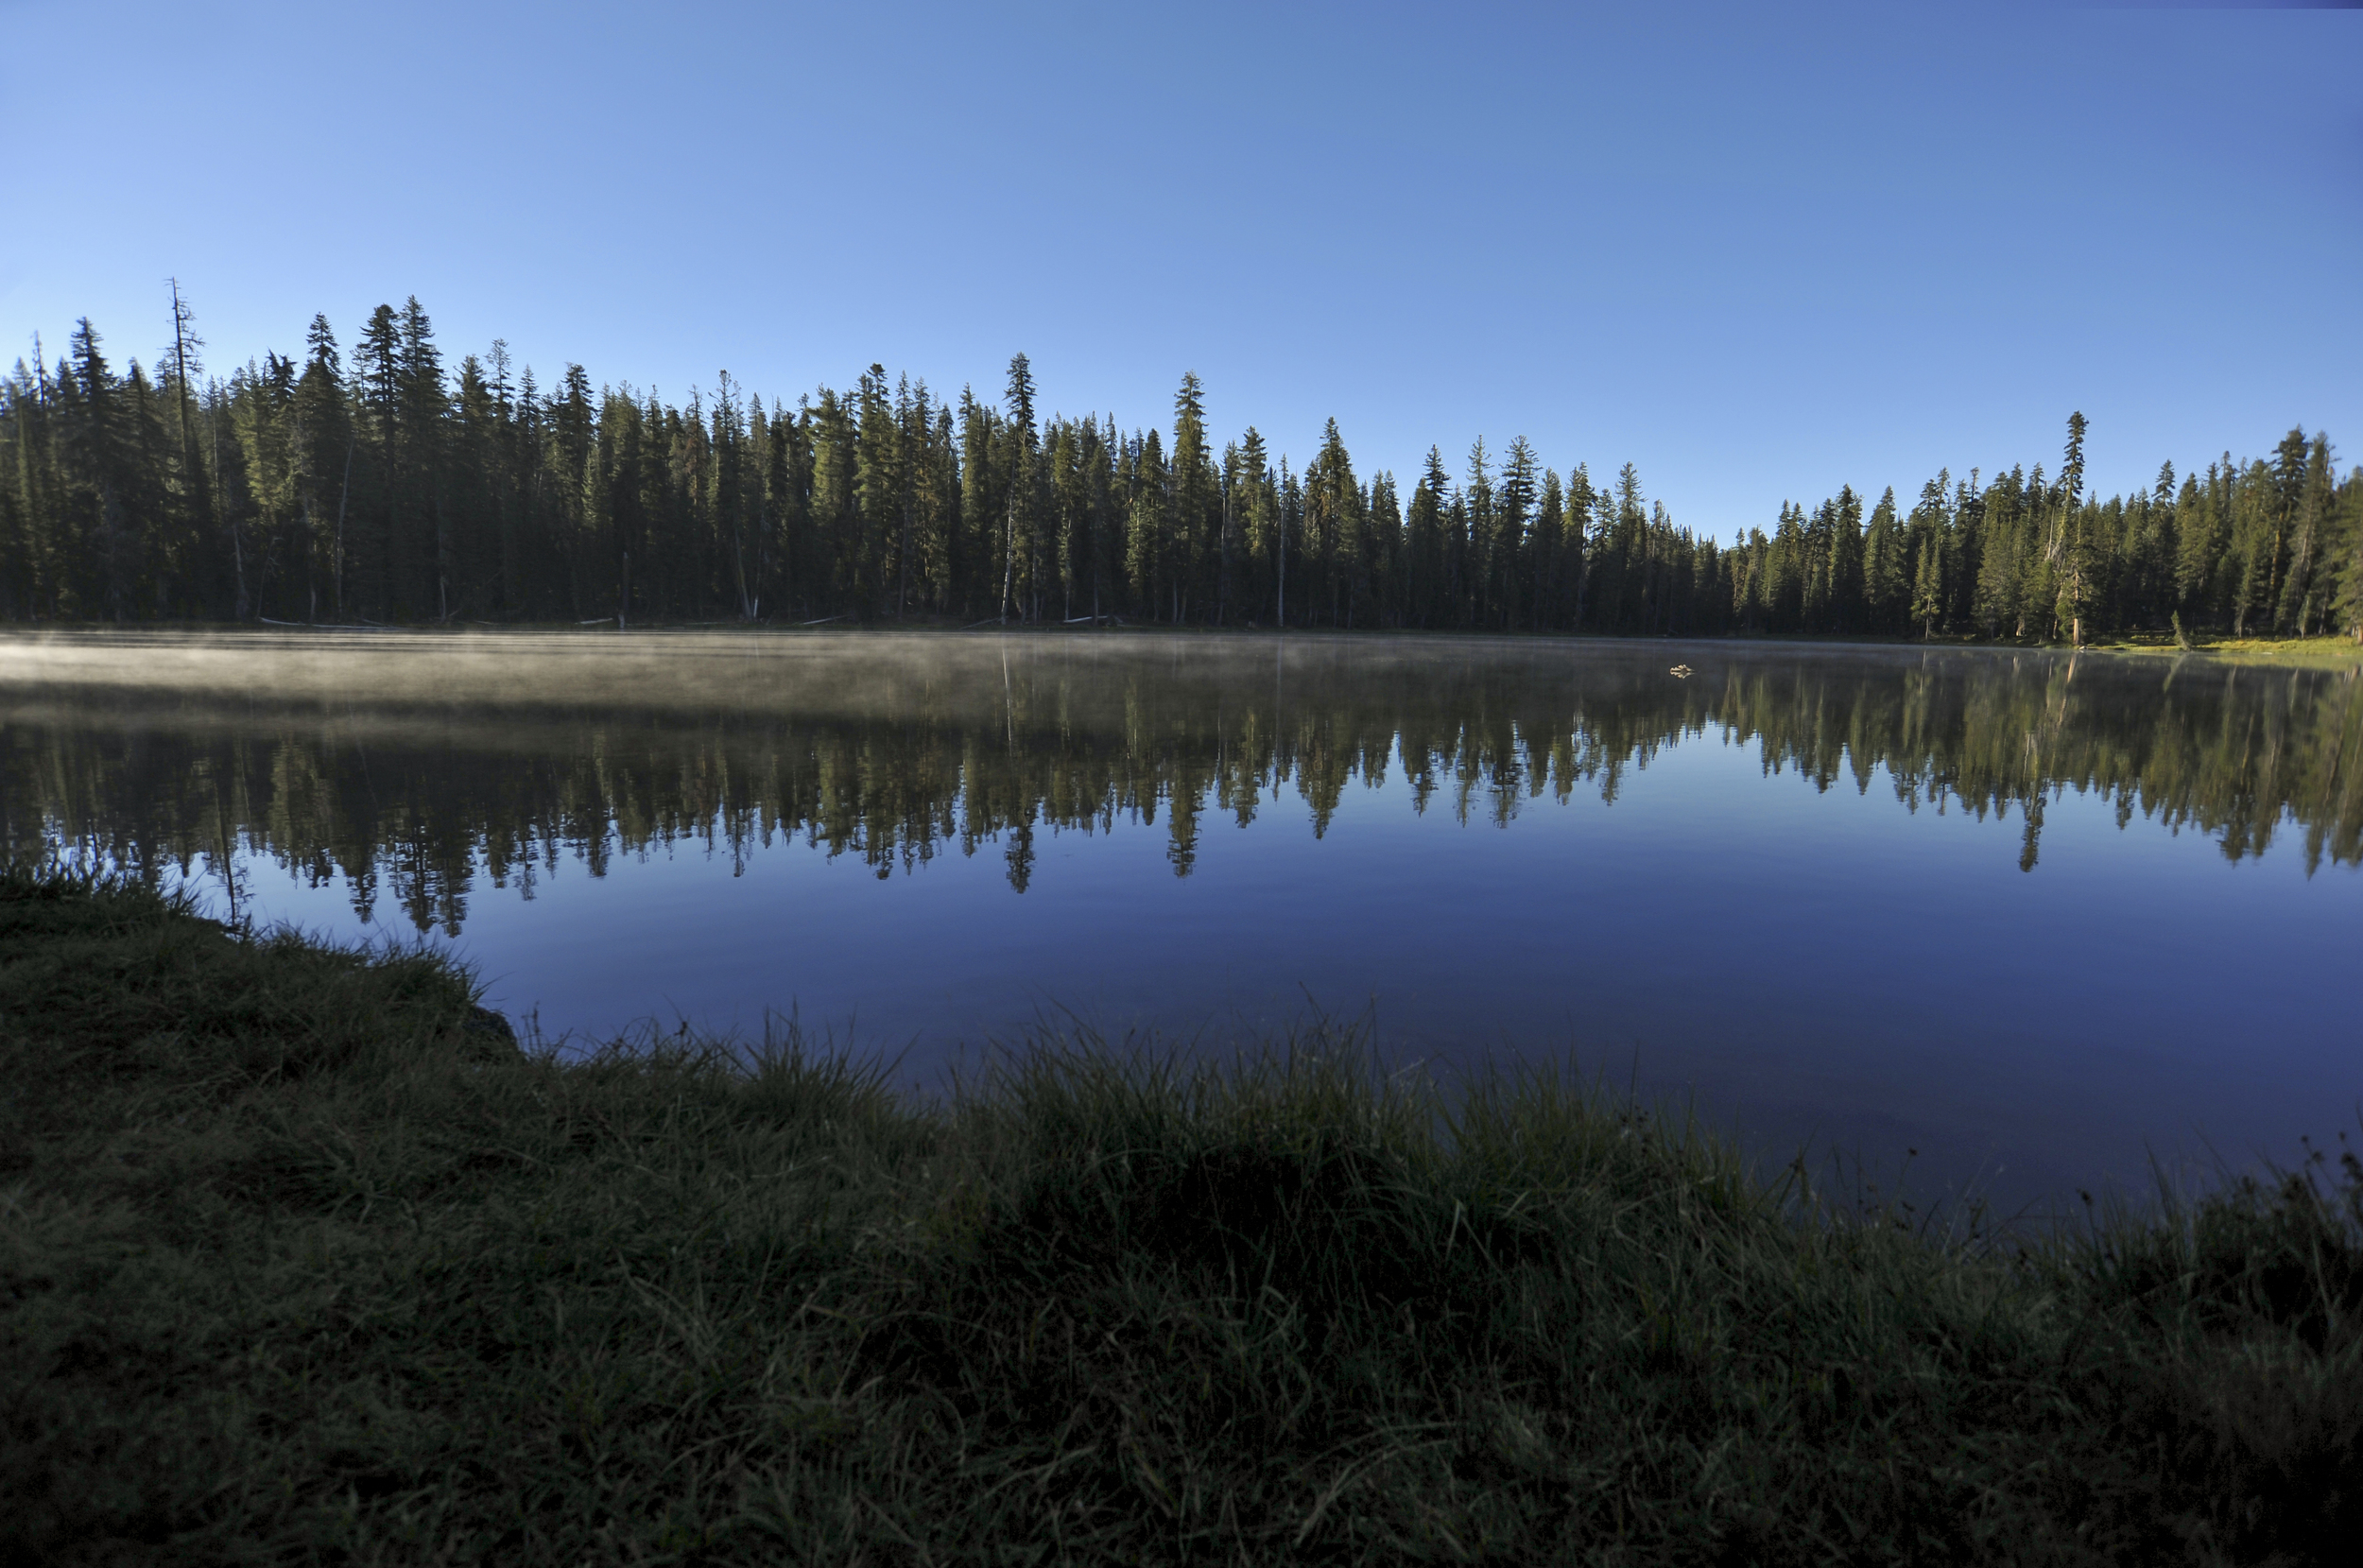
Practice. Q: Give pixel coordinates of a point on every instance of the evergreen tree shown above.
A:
(2069, 553)
(1845, 592)
(1019, 516)
(1144, 534)
(1479, 525)
(1515, 505)
(1259, 512)
(1885, 591)
(390, 488)
(1431, 573)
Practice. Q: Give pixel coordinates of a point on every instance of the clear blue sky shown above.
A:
(1758, 254)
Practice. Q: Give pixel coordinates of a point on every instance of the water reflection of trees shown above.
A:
(423, 799)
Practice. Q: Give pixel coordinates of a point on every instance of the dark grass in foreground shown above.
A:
(298, 1266)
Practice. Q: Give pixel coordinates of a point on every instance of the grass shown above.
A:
(2325, 652)
(300, 1262)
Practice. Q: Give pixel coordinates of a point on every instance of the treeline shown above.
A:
(385, 486)
(426, 801)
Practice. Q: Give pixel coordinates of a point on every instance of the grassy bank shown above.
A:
(301, 1261)
(2316, 652)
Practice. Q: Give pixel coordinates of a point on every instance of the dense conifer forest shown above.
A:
(383, 486)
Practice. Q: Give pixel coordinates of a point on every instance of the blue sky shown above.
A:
(1760, 255)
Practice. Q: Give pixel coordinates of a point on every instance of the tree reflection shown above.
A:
(396, 792)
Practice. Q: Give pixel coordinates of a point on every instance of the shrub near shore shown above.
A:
(301, 1261)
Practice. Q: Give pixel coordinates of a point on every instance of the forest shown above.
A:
(384, 487)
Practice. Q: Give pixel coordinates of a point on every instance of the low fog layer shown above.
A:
(869, 674)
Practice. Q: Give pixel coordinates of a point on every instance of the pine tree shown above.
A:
(1546, 555)
(32, 552)
(1885, 591)
(195, 488)
(1259, 535)
(2309, 509)
(397, 492)
(1145, 533)
(1431, 573)
(1334, 543)
(1288, 514)
(1195, 510)
(93, 437)
(2255, 542)
(1583, 507)
(976, 557)
(1846, 592)
(1930, 599)
(325, 441)
(879, 486)
(1019, 508)
(834, 561)
(1999, 600)
(1382, 532)
(2347, 605)
(2069, 553)
(1479, 523)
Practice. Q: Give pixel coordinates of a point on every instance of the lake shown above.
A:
(2016, 920)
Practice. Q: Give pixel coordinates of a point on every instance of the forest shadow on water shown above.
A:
(2018, 921)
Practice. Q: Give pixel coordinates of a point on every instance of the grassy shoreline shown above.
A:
(300, 1261)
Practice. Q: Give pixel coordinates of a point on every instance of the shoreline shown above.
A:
(2317, 651)
(301, 1259)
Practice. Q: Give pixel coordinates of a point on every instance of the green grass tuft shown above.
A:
(299, 1262)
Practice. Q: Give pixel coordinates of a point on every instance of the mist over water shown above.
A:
(2033, 916)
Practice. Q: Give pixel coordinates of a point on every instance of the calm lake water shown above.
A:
(2034, 916)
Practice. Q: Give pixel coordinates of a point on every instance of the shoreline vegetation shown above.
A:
(389, 488)
(304, 1258)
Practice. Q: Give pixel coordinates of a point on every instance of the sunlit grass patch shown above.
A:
(2312, 651)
